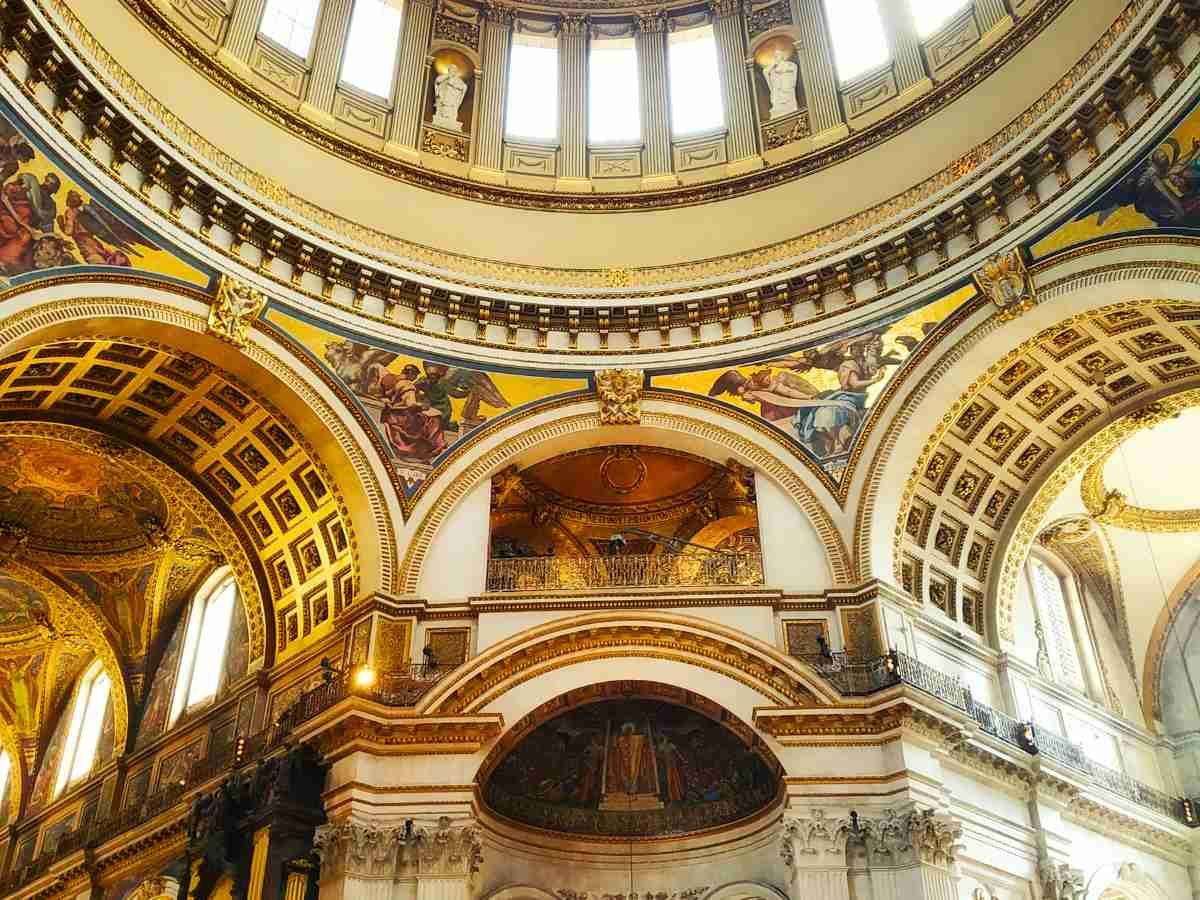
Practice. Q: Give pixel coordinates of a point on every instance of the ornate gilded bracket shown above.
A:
(234, 309)
(620, 393)
(1005, 281)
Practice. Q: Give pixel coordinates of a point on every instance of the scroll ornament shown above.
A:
(620, 392)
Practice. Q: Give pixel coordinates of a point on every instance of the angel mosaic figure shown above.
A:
(825, 421)
(1166, 189)
(91, 227)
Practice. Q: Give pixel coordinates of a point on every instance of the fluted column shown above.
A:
(820, 76)
(408, 112)
(491, 83)
(327, 59)
(239, 37)
(572, 102)
(655, 105)
(904, 43)
(740, 113)
(994, 18)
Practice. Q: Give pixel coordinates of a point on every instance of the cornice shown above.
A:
(361, 241)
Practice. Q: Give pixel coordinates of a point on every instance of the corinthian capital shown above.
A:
(573, 25)
(498, 14)
(652, 22)
(449, 848)
(723, 8)
(358, 848)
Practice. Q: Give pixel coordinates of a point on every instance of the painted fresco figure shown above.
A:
(631, 765)
(591, 772)
(670, 775)
(1166, 189)
(92, 227)
(27, 214)
(412, 425)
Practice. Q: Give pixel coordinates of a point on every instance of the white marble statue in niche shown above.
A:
(449, 89)
(781, 74)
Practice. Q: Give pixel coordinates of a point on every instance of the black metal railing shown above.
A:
(400, 689)
(859, 677)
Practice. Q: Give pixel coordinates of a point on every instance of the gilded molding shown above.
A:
(234, 309)
(620, 393)
(1071, 86)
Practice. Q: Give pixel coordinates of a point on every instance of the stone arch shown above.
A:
(71, 617)
(1071, 284)
(176, 316)
(746, 890)
(548, 428)
(520, 892)
(1156, 646)
(1124, 881)
(756, 672)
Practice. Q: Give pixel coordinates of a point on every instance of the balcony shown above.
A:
(556, 573)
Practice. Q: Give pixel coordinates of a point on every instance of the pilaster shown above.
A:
(408, 110)
(429, 859)
(820, 76)
(492, 82)
(655, 105)
(813, 847)
(905, 46)
(572, 102)
(994, 19)
(327, 60)
(740, 112)
(239, 37)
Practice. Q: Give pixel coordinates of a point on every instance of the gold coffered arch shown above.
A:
(248, 452)
(973, 479)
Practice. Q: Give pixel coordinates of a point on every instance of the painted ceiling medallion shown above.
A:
(69, 499)
(623, 471)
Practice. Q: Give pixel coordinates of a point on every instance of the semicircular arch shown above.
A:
(301, 393)
(556, 426)
(624, 638)
(1072, 287)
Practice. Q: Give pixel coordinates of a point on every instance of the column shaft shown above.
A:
(903, 40)
(572, 96)
(243, 26)
(656, 110)
(990, 13)
(408, 110)
(740, 113)
(327, 60)
(492, 84)
(816, 64)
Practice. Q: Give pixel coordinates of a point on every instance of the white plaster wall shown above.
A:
(793, 556)
(1097, 855)
(456, 566)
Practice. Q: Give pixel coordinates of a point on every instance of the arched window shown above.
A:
(1052, 599)
(5, 774)
(695, 81)
(532, 87)
(205, 643)
(930, 15)
(859, 41)
(370, 55)
(87, 721)
(291, 23)
(614, 107)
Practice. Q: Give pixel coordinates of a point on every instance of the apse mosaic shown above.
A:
(21, 607)
(1160, 192)
(631, 767)
(822, 397)
(421, 406)
(51, 222)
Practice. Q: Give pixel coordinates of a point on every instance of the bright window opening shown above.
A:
(205, 644)
(5, 765)
(370, 55)
(614, 107)
(692, 68)
(859, 41)
(1056, 624)
(930, 15)
(291, 23)
(533, 88)
(87, 721)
